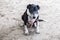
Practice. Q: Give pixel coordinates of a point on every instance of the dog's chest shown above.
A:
(31, 20)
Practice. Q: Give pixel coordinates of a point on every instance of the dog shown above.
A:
(31, 18)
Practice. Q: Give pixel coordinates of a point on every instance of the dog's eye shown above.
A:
(35, 9)
(31, 11)
(30, 17)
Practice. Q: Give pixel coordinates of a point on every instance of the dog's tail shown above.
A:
(40, 20)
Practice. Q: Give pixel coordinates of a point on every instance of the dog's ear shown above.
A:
(28, 6)
(38, 7)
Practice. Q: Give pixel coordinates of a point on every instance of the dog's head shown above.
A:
(32, 10)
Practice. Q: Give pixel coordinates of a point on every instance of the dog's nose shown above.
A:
(33, 17)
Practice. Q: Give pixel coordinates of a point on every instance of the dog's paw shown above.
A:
(26, 33)
(37, 32)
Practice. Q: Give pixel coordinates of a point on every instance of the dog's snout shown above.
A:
(33, 17)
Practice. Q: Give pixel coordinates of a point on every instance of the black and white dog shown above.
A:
(31, 18)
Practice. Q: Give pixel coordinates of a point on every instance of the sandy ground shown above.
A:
(10, 20)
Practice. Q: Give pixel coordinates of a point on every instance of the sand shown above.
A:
(10, 20)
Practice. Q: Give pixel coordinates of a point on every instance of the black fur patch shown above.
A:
(25, 17)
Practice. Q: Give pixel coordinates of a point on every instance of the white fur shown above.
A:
(35, 24)
(37, 28)
(26, 30)
(28, 13)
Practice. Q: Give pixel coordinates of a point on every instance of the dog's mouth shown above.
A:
(31, 21)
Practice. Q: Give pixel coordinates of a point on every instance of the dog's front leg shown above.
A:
(37, 28)
(26, 30)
